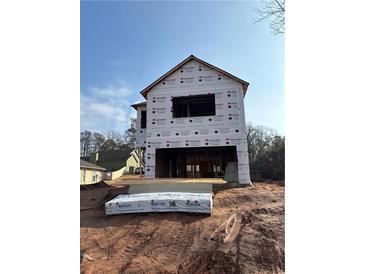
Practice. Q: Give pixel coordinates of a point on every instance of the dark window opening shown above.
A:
(198, 162)
(143, 118)
(193, 106)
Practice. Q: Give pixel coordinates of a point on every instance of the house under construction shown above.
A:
(192, 124)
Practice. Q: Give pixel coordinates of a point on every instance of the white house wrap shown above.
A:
(193, 124)
(160, 202)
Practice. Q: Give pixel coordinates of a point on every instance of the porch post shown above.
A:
(139, 162)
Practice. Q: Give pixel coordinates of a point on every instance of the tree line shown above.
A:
(266, 150)
(91, 142)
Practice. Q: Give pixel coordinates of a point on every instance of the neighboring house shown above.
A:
(90, 173)
(115, 163)
(132, 162)
(111, 160)
(193, 124)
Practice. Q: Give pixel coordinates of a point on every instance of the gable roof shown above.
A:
(192, 57)
(114, 155)
(85, 164)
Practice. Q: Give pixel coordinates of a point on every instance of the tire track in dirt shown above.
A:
(106, 243)
(164, 250)
(136, 246)
(118, 246)
(176, 249)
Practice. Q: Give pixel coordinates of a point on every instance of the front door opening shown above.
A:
(199, 162)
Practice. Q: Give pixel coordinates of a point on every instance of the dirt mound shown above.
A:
(262, 243)
(244, 234)
(101, 184)
(269, 255)
(230, 252)
(269, 258)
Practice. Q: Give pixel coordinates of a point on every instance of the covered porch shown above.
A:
(195, 162)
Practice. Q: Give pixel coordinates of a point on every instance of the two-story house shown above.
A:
(192, 124)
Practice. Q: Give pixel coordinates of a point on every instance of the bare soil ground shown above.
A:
(251, 241)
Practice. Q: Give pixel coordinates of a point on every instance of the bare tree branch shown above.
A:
(274, 11)
(281, 6)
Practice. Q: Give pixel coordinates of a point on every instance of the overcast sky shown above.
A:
(127, 45)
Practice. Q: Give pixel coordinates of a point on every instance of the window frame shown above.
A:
(143, 123)
(185, 106)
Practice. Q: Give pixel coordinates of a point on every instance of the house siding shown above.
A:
(89, 176)
(131, 162)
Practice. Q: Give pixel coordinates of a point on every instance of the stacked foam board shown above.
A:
(160, 202)
(226, 128)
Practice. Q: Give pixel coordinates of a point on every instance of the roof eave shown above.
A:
(89, 167)
(138, 104)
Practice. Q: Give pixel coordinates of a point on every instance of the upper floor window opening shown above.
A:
(193, 106)
(143, 118)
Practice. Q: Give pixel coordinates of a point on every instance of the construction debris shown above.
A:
(85, 256)
(229, 229)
